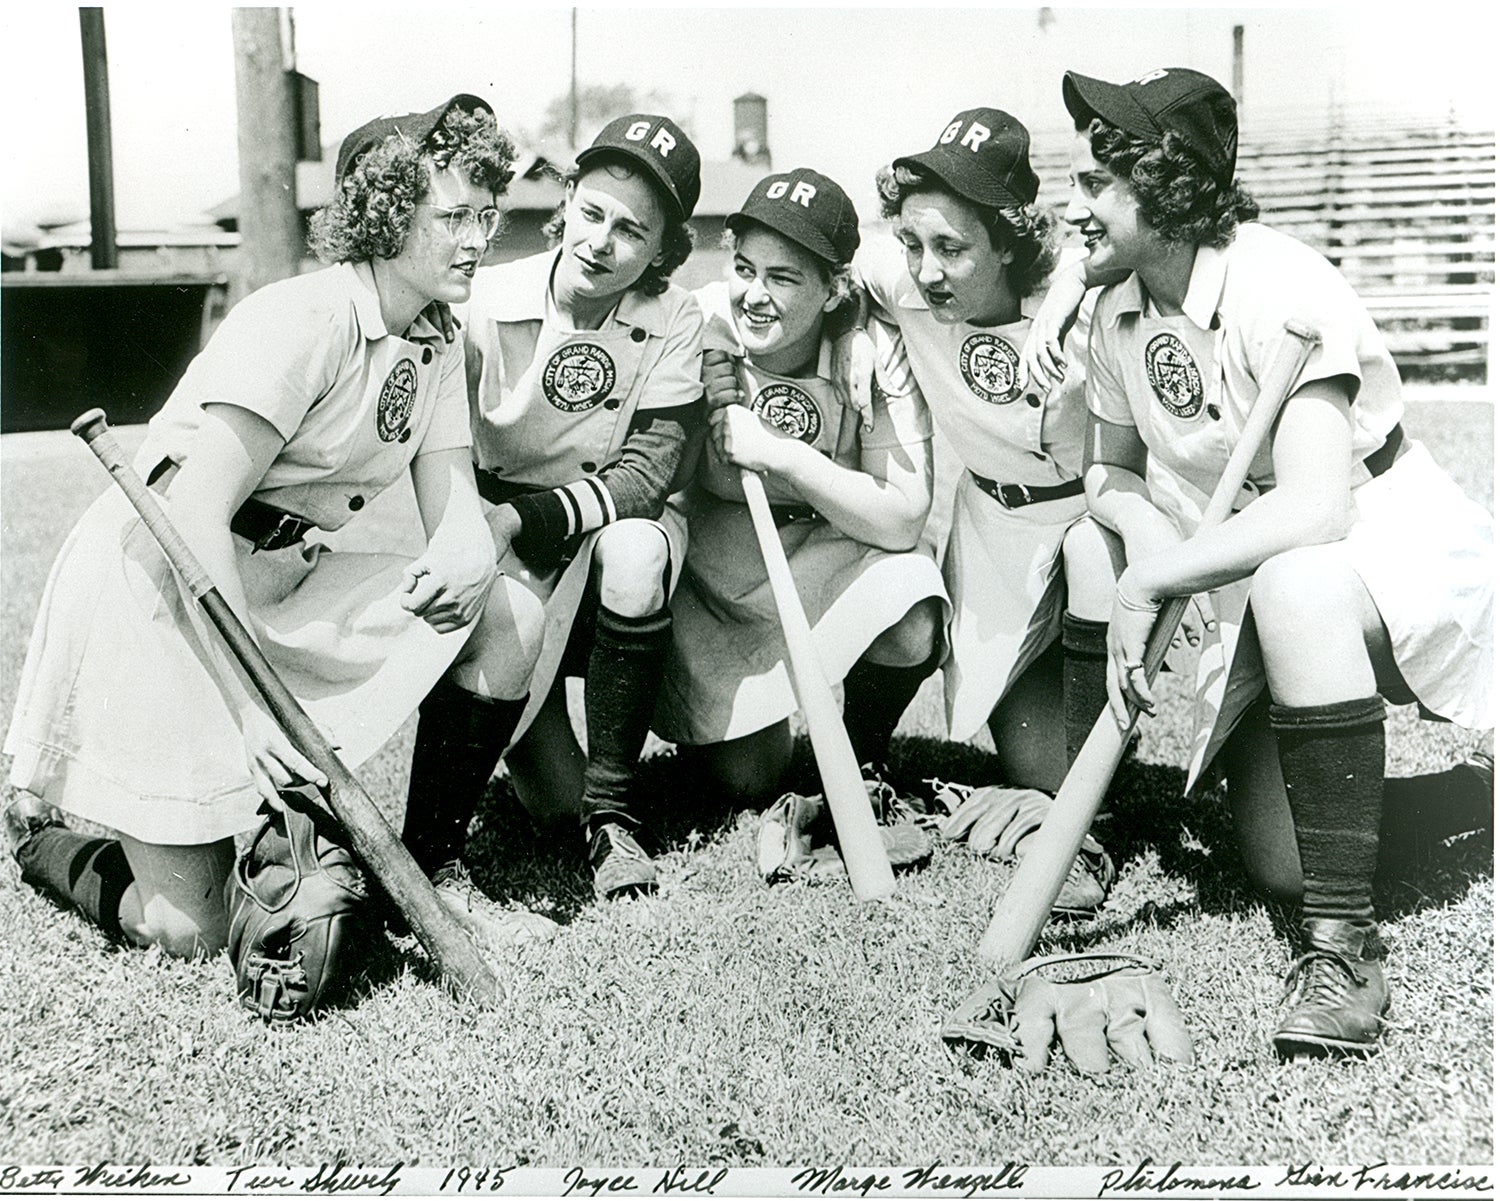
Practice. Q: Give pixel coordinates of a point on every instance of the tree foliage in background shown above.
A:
(599, 103)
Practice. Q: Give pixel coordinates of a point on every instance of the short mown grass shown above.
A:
(723, 1022)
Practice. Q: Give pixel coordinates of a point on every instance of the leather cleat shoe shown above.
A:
(23, 817)
(488, 923)
(621, 868)
(1087, 886)
(1338, 992)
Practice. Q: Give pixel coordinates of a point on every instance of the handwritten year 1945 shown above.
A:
(480, 1180)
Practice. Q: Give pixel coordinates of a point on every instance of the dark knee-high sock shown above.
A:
(1084, 691)
(875, 697)
(460, 737)
(1333, 762)
(86, 873)
(619, 697)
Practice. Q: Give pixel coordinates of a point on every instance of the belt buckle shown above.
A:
(284, 533)
(1013, 496)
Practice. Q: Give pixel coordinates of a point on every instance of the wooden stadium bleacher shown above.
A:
(1404, 207)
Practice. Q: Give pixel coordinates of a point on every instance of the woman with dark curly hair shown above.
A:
(977, 254)
(1354, 570)
(315, 395)
(584, 388)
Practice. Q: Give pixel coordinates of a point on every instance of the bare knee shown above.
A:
(912, 639)
(1310, 582)
(631, 560)
(200, 933)
(1093, 558)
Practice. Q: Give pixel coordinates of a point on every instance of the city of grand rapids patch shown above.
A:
(789, 409)
(397, 396)
(578, 377)
(990, 366)
(1174, 376)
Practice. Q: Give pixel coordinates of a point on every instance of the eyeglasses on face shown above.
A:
(486, 221)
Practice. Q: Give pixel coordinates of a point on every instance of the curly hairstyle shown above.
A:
(676, 236)
(371, 211)
(837, 277)
(1179, 199)
(1025, 230)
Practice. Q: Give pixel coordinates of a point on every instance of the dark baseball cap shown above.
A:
(659, 145)
(806, 207)
(416, 126)
(1170, 100)
(984, 155)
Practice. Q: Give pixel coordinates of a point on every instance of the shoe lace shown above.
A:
(613, 841)
(1319, 978)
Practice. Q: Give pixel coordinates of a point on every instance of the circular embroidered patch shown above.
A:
(578, 377)
(789, 409)
(989, 364)
(397, 396)
(1174, 376)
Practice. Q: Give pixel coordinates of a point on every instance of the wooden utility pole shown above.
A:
(270, 226)
(103, 251)
(1237, 88)
(573, 90)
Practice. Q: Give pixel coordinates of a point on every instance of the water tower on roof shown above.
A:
(750, 137)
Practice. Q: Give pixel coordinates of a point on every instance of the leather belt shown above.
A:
(1016, 496)
(268, 527)
(791, 514)
(1394, 447)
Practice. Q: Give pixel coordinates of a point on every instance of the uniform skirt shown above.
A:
(1425, 553)
(1003, 570)
(128, 702)
(726, 675)
(561, 592)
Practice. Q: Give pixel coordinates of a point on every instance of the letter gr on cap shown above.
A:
(1152, 76)
(974, 137)
(663, 143)
(801, 194)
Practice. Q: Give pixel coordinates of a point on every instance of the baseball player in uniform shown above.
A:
(584, 389)
(314, 395)
(849, 504)
(1353, 569)
(961, 279)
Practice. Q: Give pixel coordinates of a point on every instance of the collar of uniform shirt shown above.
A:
(1205, 289)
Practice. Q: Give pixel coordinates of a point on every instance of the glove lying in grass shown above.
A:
(995, 822)
(297, 907)
(1094, 1005)
(798, 841)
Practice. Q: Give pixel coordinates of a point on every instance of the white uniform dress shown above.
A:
(1002, 566)
(127, 705)
(727, 676)
(551, 407)
(1187, 383)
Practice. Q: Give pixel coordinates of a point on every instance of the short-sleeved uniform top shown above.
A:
(1002, 566)
(127, 705)
(551, 407)
(726, 676)
(1187, 384)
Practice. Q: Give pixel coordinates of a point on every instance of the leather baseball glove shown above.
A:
(797, 838)
(996, 822)
(1095, 1005)
(297, 904)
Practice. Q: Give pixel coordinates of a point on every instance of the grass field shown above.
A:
(726, 1023)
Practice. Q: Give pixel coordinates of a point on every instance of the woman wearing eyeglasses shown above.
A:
(315, 395)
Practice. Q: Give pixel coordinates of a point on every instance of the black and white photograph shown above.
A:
(747, 601)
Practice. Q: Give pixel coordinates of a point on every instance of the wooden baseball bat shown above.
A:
(859, 836)
(1027, 902)
(371, 835)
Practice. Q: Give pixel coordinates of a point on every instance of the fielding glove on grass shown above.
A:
(1095, 1005)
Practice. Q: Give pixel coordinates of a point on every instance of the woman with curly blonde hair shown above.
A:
(315, 395)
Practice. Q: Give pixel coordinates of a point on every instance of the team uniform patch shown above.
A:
(790, 410)
(1174, 376)
(397, 396)
(578, 377)
(990, 367)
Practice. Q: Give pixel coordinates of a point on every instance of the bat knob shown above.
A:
(90, 425)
